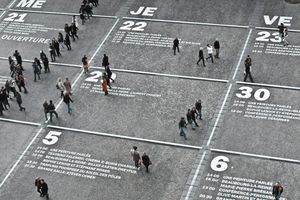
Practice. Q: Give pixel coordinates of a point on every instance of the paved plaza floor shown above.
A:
(248, 137)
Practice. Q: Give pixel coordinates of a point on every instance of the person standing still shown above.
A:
(36, 69)
(146, 161)
(176, 45)
(277, 190)
(248, 63)
(210, 53)
(85, 64)
(201, 57)
(136, 157)
(217, 48)
(182, 127)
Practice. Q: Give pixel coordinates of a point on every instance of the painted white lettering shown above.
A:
(149, 11)
(39, 4)
(25, 3)
(285, 20)
(269, 21)
(138, 12)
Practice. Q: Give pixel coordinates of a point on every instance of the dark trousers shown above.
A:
(52, 55)
(137, 163)
(174, 48)
(194, 120)
(20, 86)
(68, 46)
(147, 168)
(38, 74)
(47, 69)
(199, 113)
(248, 74)
(210, 56)
(217, 53)
(20, 106)
(51, 114)
(202, 61)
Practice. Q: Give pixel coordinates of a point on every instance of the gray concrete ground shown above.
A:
(247, 140)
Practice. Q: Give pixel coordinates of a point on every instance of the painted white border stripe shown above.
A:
(256, 155)
(186, 22)
(2, 13)
(61, 13)
(269, 85)
(219, 115)
(20, 158)
(242, 54)
(125, 137)
(276, 29)
(19, 122)
(195, 177)
(11, 4)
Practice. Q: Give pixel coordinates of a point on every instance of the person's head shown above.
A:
(201, 48)
(207, 45)
(182, 118)
(217, 39)
(51, 102)
(67, 79)
(65, 93)
(281, 24)
(104, 55)
(248, 56)
(134, 147)
(144, 154)
(199, 100)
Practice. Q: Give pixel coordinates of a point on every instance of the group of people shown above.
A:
(138, 160)
(42, 187)
(191, 117)
(210, 51)
(86, 9)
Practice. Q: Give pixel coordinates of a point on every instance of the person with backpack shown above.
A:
(277, 190)
(36, 69)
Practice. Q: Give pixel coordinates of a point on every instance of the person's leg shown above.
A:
(178, 49)
(56, 114)
(245, 78)
(195, 122)
(34, 76)
(51, 115)
(203, 61)
(147, 168)
(212, 58)
(251, 79)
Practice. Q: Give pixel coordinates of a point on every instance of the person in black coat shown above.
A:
(67, 99)
(68, 42)
(201, 56)
(105, 60)
(217, 48)
(248, 63)
(176, 45)
(18, 58)
(44, 189)
(146, 161)
(109, 73)
(51, 108)
(19, 101)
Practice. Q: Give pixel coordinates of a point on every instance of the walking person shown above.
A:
(194, 115)
(46, 109)
(189, 119)
(37, 184)
(4, 99)
(105, 60)
(18, 57)
(82, 17)
(60, 86)
(210, 53)
(20, 80)
(146, 161)
(182, 128)
(36, 69)
(68, 42)
(67, 99)
(51, 108)
(68, 86)
(19, 101)
(176, 45)
(109, 73)
(46, 64)
(12, 67)
(104, 84)
(60, 40)
(198, 106)
(55, 44)
(52, 52)
(281, 28)
(285, 32)
(44, 189)
(201, 57)
(277, 190)
(248, 63)
(136, 157)
(85, 64)
(67, 30)
(217, 48)
(73, 30)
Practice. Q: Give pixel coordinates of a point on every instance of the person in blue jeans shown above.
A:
(182, 127)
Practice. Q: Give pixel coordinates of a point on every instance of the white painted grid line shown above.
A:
(269, 85)
(61, 13)
(20, 158)
(256, 155)
(187, 22)
(19, 122)
(195, 177)
(2, 14)
(219, 115)
(242, 54)
(11, 4)
(126, 137)
(276, 29)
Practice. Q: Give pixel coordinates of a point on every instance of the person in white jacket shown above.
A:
(210, 53)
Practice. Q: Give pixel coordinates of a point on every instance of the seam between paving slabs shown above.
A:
(258, 11)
